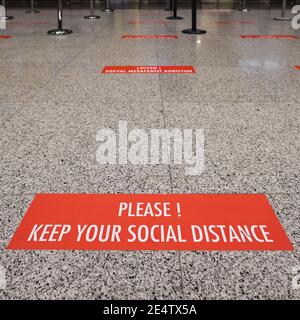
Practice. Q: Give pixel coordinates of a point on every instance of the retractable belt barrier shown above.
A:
(107, 7)
(283, 16)
(92, 15)
(59, 31)
(170, 6)
(174, 16)
(194, 29)
(244, 8)
(32, 8)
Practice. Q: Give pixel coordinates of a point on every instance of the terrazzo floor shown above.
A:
(54, 99)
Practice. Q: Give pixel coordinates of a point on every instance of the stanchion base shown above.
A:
(283, 19)
(168, 9)
(34, 11)
(92, 17)
(174, 18)
(108, 10)
(59, 32)
(6, 18)
(194, 31)
(244, 10)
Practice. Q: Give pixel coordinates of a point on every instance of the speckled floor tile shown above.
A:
(268, 59)
(92, 82)
(12, 210)
(40, 39)
(136, 53)
(13, 103)
(218, 84)
(198, 51)
(53, 56)
(52, 274)
(287, 81)
(287, 206)
(90, 275)
(249, 147)
(19, 79)
(246, 275)
(55, 147)
(142, 275)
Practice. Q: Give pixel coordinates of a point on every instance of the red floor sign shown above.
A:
(150, 222)
(148, 22)
(236, 22)
(5, 37)
(148, 69)
(297, 67)
(28, 23)
(148, 37)
(269, 37)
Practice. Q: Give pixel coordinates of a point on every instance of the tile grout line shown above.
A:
(170, 176)
(170, 173)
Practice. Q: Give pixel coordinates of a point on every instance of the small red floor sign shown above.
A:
(297, 67)
(150, 222)
(148, 69)
(149, 22)
(269, 37)
(236, 22)
(149, 37)
(5, 37)
(27, 23)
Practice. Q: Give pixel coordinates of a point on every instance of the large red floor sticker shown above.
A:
(150, 222)
(297, 67)
(148, 69)
(269, 37)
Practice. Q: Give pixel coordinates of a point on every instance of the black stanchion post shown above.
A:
(107, 7)
(244, 8)
(174, 16)
(194, 29)
(170, 6)
(92, 16)
(6, 17)
(32, 9)
(59, 31)
(283, 12)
